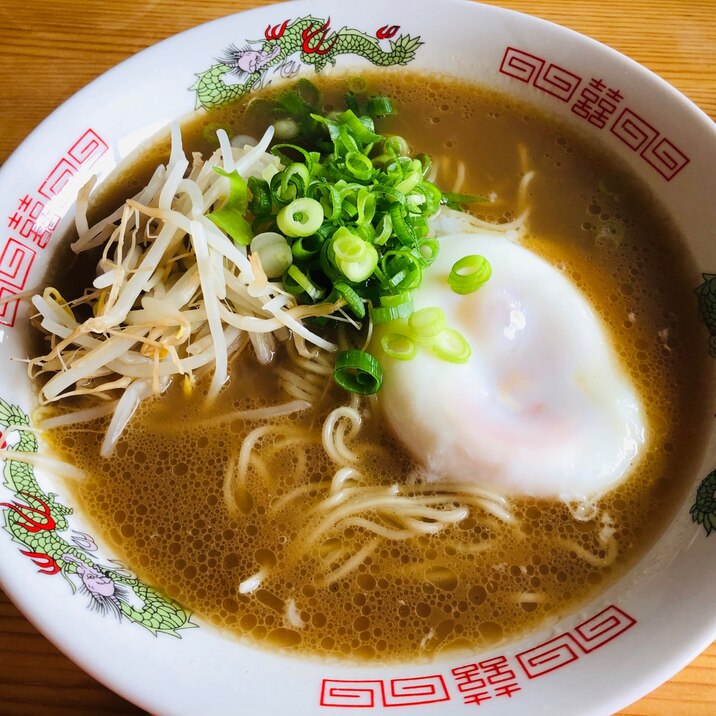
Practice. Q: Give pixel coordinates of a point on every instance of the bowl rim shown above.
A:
(11, 581)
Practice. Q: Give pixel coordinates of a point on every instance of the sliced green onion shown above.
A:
(308, 92)
(365, 204)
(347, 246)
(329, 198)
(274, 253)
(300, 278)
(290, 184)
(396, 145)
(260, 203)
(230, 217)
(352, 299)
(402, 229)
(469, 273)
(302, 217)
(359, 166)
(352, 206)
(290, 285)
(396, 299)
(380, 107)
(298, 174)
(425, 162)
(358, 372)
(309, 158)
(306, 247)
(365, 231)
(419, 225)
(352, 102)
(283, 192)
(354, 257)
(413, 175)
(287, 128)
(433, 196)
(384, 314)
(292, 102)
(344, 141)
(361, 127)
(451, 197)
(429, 249)
(389, 194)
(398, 346)
(402, 269)
(450, 345)
(426, 324)
(398, 169)
(415, 201)
(384, 230)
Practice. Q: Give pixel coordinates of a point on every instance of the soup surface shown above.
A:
(328, 589)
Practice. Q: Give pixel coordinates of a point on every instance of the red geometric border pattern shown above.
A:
(16, 260)
(633, 130)
(87, 149)
(37, 217)
(58, 178)
(350, 694)
(416, 690)
(8, 311)
(368, 693)
(638, 134)
(486, 680)
(558, 82)
(534, 70)
(521, 65)
(602, 628)
(549, 656)
(586, 637)
(666, 158)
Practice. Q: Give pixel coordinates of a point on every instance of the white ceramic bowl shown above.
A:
(615, 649)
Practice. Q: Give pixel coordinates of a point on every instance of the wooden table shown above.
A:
(51, 48)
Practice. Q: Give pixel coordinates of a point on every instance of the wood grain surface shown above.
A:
(49, 49)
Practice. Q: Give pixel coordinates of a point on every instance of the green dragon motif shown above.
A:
(707, 306)
(704, 509)
(306, 40)
(35, 520)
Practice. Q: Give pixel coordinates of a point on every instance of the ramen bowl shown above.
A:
(54, 564)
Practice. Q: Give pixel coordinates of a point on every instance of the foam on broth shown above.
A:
(159, 502)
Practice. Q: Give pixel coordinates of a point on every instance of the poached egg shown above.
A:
(541, 408)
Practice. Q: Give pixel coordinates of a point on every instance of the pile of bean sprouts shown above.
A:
(173, 296)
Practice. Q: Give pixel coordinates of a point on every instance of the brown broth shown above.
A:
(159, 501)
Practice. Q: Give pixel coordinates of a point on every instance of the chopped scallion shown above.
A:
(384, 314)
(426, 324)
(230, 216)
(352, 299)
(452, 198)
(355, 258)
(398, 346)
(380, 107)
(305, 283)
(302, 217)
(358, 372)
(260, 203)
(469, 273)
(274, 253)
(396, 299)
(450, 345)
(359, 166)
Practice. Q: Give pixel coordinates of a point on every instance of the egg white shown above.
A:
(542, 407)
